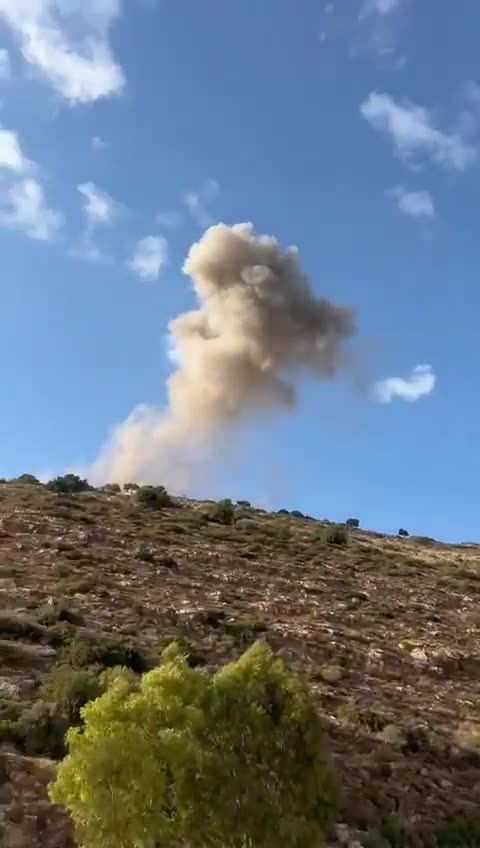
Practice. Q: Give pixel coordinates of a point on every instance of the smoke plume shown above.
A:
(257, 325)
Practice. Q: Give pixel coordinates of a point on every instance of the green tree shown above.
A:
(228, 760)
(352, 522)
(27, 479)
(69, 484)
(153, 497)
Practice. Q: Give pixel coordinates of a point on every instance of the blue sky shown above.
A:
(350, 129)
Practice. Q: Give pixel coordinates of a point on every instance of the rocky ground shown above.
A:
(385, 630)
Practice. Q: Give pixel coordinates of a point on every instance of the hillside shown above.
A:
(385, 630)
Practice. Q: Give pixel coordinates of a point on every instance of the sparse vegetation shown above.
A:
(403, 532)
(93, 585)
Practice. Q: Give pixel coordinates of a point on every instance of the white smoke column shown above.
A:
(258, 324)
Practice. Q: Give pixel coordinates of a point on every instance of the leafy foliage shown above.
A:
(84, 651)
(27, 479)
(153, 497)
(223, 512)
(232, 759)
(69, 689)
(403, 532)
(352, 522)
(69, 484)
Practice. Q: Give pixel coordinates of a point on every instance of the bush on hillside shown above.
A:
(335, 534)
(40, 731)
(245, 504)
(223, 512)
(112, 488)
(130, 487)
(69, 689)
(297, 514)
(235, 758)
(69, 484)
(27, 479)
(352, 522)
(153, 497)
(403, 532)
(88, 650)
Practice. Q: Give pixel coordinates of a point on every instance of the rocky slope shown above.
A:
(385, 630)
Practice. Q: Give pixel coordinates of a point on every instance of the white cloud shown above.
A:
(4, 64)
(416, 204)
(149, 256)
(412, 132)
(99, 144)
(98, 206)
(11, 154)
(25, 210)
(68, 44)
(196, 203)
(420, 382)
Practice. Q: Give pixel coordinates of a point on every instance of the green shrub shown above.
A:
(111, 676)
(403, 532)
(86, 650)
(335, 534)
(112, 488)
(40, 731)
(27, 479)
(352, 522)
(17, 626)
(245, 504)
(223, 512)
(236, 758)
(69, 484)
(460, 833)
(130, 487)
(69, 689)
(153, 497)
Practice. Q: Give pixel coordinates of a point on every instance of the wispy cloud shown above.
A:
(12, 157)
(420, 382)
(380, 7)
(4, 64)
(169, 219)
(379, 24)
(67, 42)
(411, 129)
(98, 206)
(25, 209)
(197, 203)
(98, 144)
(415, 204)
(149, 257)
